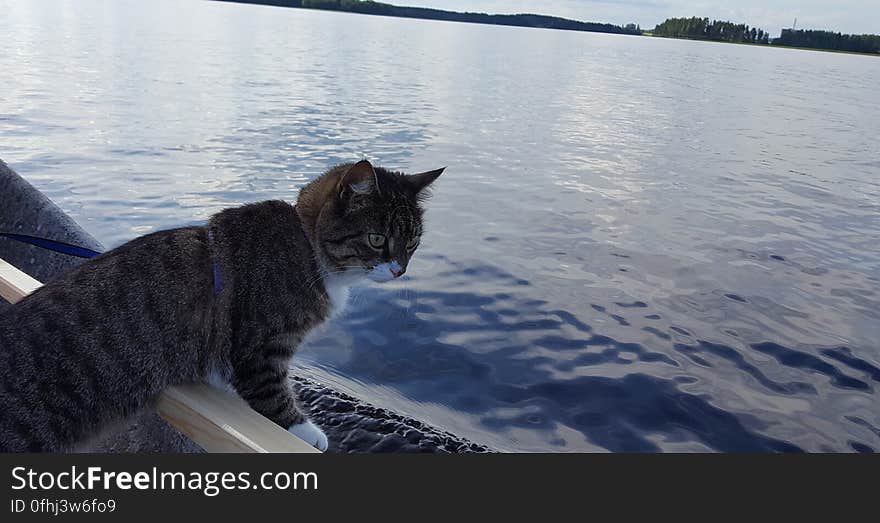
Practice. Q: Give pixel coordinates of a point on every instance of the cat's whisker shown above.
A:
(409, 299)
(356, 297)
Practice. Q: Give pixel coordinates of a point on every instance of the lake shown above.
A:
(639, 244)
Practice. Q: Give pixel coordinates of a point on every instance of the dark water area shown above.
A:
(638, 245)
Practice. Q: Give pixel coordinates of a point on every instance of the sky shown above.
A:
(847, 16)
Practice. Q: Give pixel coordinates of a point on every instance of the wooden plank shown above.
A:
(218, 421)
(14, 284)
(223, 422)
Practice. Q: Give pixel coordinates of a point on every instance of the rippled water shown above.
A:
(638, 244)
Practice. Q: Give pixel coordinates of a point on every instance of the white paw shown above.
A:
(310, 433)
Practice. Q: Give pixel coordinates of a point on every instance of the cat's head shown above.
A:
(365, 220)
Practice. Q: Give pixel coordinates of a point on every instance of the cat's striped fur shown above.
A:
(101, 342)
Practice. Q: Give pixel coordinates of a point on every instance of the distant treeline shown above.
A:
(702, 29)
(694, 28)
(829, 40)
(521, 20)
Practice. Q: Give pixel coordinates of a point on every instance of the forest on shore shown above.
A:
(829, 40)
(702, 29)
(694, 28)
(521, 20)
(697, 28)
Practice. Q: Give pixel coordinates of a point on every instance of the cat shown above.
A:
(229, 300)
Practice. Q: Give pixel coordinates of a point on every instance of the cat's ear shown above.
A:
(419, 182)
(360, 178)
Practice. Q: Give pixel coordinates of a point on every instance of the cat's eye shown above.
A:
(377, 241)
(412, 243)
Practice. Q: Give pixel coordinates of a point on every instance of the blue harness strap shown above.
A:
(82, 252)
(52, 245)
(218, 281)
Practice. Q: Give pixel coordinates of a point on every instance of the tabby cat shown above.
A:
(232, 299)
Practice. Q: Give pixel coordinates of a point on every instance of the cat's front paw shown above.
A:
(310, 433)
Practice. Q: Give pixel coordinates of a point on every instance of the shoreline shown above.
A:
(503, 20)
(602, 27)
(768, 46)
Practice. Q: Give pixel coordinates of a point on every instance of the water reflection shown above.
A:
(512, 362)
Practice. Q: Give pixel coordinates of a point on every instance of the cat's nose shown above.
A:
(396, 269)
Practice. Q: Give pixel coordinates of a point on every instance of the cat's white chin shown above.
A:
(383, 272)
(379, 278)
(310, 433)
